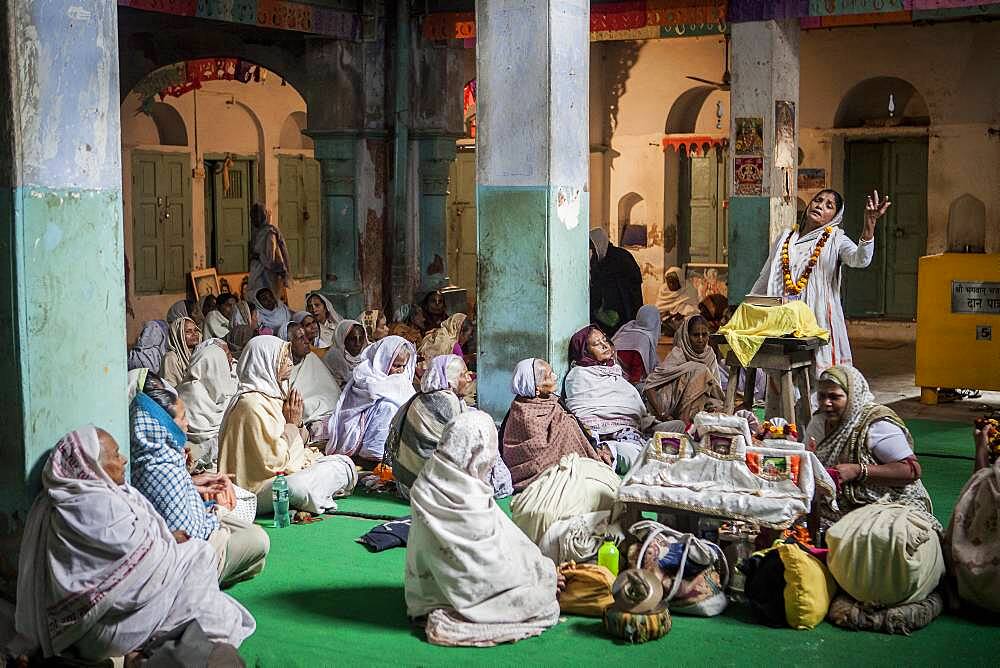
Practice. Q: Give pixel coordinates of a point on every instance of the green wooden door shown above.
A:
(299, 214)
(161, 217)
(888, 287)
(232, 217)
(702, 235)
(462, 239)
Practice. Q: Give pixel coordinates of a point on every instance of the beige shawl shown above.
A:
(178, 357)
(441, 341)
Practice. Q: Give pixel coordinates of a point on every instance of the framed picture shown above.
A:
(205, 282)
(235, 284)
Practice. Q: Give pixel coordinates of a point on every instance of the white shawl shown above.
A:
(275, 317)
(100, 570)
(641, 335)
(523, 382)
(682, 301)
(603, 398)
(206, 391)
(327, 330)
(216, 325)
(340, 362)
(369, 384)
(479, 578)
(319, 390)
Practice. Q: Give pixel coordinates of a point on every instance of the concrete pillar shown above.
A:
(765, 72)
(337, 155)
(533, 61)
(62, 309)
(436, 155)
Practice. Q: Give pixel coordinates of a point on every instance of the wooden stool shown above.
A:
(792, 360)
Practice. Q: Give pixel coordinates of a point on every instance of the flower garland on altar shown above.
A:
(796, 287)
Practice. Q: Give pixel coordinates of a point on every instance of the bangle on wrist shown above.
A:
(863, 474)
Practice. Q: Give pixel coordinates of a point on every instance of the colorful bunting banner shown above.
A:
(277, 14)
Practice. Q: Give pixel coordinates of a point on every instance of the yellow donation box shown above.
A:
(958, 323)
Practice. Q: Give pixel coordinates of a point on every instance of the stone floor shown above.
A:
(889, 367)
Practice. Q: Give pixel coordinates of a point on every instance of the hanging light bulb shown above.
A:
(892, 106)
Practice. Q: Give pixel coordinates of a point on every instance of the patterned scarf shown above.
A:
(159, 471)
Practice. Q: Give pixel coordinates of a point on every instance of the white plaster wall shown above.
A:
(243, 119)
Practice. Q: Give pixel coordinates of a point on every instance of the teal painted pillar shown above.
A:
(337, 155)
(62, 309)
(533, 62)
(400, 225)
(436, 155)
(765, 86)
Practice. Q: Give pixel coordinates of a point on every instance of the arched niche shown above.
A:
(967, 225)
(291, 132)
(867, 104)
(632, 220)
(170, 125)
(683, 114)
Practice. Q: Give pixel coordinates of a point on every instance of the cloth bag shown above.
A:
(697, 585)
(588, 589)
(885, 554)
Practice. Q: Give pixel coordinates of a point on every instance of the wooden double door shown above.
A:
(897, 167)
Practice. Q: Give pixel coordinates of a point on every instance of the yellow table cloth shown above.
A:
(750, 325)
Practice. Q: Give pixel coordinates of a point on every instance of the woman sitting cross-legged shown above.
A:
(159, 471)
(687, 381)
(417, 427)
(379, 386)
(262, 436)
(538, 431)
(866, 443)
(207, 389)
(182, 338)
(100, 574)
(474, 575)
(598, 393)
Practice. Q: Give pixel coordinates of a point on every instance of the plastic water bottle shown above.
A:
(279, 496)
(608, 556)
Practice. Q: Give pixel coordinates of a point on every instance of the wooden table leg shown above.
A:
(787, 396)
(734, 380)
(803, 408)
(748, 388)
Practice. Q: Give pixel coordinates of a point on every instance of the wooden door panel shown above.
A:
(313, 223)
(906, 228)
(865, 170)
(704, 220)
(176, 220)
(232, 218)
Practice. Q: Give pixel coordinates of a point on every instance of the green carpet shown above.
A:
(324, 600)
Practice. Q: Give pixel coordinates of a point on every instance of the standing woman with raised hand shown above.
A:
(805, 263)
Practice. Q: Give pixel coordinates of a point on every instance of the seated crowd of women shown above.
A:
(318, 398)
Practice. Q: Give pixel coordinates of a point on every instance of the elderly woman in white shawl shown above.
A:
(806, 263)
(100, 573)
(687, 382)
(379, 386)
(349, 343)
(262, 435)
(184, 335)
(310, 377)
(207, 389)
(598, 394)
(474, 575)
(636, 342)
(326, 316)
(417, 427)
(271, 312)
(677, 299)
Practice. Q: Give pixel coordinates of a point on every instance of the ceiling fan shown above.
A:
(726, 76)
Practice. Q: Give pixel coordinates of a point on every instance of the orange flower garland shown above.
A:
(796, 287)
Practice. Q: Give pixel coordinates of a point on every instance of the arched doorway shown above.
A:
(202, 141)
(888, 155)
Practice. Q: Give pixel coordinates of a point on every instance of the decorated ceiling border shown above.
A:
(658, 19)
(275, 14)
